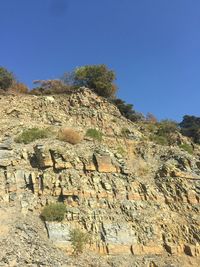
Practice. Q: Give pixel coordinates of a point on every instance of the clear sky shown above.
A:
(152, 45)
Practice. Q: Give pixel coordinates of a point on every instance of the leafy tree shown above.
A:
(96, 77)
(6, 78)
(190, 126)
(78, 240)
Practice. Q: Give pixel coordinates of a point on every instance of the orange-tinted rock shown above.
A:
(62, 165)
(104, 164)
(116, 249)
(90, 166)
(145, 250)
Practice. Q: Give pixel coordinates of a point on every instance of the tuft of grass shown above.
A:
(121, 151)
(30, 135)
(70, 135)
(187, 148)
(159, 139)
(95, 134)
(54, 212)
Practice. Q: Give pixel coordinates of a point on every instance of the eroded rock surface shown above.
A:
(139, 202)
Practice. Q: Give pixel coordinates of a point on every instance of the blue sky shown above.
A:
(152, 45)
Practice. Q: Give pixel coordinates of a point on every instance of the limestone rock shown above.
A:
(139, 201)
(43, 156)
(104, 163)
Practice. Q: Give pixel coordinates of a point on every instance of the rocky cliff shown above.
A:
(138, 201)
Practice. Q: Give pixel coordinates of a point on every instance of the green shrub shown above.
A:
(160, 140)
(164, 132)
(190, 127)
(54, 212)
(127, 110)
(95, 134)
(78, 240)
(30, 135)
(6, 78)
(187, 147)
(166, 127)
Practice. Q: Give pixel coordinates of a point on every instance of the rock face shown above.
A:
(136, 199)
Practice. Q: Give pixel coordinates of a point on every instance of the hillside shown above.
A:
(139, 201)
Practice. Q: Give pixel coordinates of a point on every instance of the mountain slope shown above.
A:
(139, 201)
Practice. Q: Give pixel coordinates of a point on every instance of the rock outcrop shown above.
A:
(136, 199)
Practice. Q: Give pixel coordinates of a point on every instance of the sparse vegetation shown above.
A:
(79, 240)
(30, 135)
(54, 212)
(19, 88)
(100, 79)
(160, 140)
(167, 127)
(187, 147)
(95, 134)
(70, 135)
(164, 132)
(50, 87)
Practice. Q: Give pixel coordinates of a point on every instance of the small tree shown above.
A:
(78, 240)
(6, 78)
(96, 77)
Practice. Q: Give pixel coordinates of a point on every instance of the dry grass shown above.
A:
(70, 135)
(18, 88)
(140, 167)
